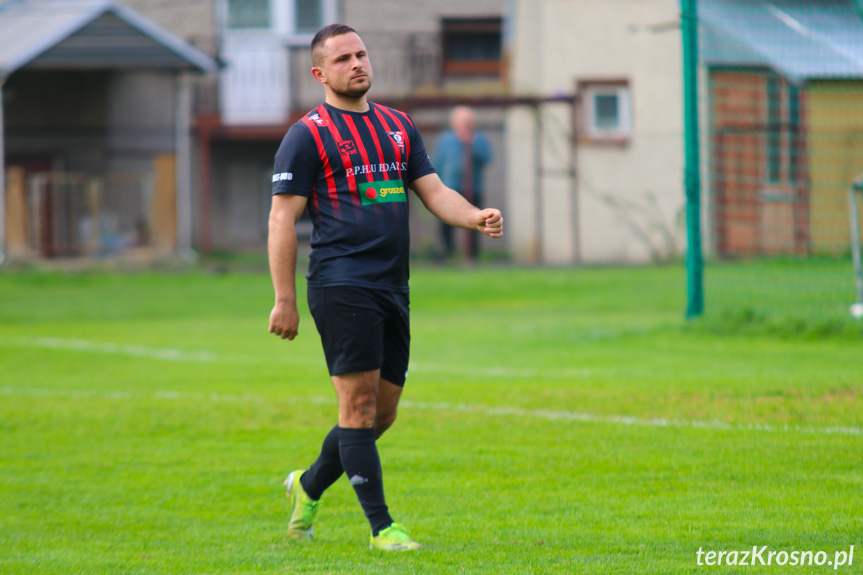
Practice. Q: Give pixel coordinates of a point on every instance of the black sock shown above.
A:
(362, 464)
(326, 469)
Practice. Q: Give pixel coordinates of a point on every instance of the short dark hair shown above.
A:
(327, 32)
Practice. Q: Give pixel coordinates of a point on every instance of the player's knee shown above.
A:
(360, 410)
(384, 421)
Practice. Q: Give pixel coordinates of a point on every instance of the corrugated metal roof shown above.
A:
(88, 34)
(800, 39)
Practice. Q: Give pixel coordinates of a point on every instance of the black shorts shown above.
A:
(363, 329)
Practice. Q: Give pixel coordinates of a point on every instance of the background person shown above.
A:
(461, 155)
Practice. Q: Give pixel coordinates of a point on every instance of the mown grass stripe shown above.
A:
(442, 406)
(168, 354)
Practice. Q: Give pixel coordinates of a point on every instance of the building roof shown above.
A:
(799, 39)
(88, 34)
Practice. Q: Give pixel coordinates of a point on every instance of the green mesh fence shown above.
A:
(781, 121)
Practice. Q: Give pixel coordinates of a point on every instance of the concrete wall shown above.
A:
(242, 188)
(194, 22)
(629, 197)
(425, 228)
(90, 121)
(190, 20)
(394, 17)
(141, 119)
(66, 132)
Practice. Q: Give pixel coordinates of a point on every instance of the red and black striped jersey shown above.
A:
(355, 168)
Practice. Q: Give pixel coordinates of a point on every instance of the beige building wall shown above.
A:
(191, 20)
(194, 22)
(196, 19)
(833, 127)
(399, 17)
(384, 25)
(629, 198)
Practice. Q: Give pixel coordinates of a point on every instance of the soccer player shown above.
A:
(350, 162)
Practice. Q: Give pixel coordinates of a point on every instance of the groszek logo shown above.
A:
(382, 192)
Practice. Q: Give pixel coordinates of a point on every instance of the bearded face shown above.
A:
(344, 67)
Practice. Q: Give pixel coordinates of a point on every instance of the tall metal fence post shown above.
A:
(694, 257)
(858, 6)
(856, 188)
(2, 180)
(182, 145)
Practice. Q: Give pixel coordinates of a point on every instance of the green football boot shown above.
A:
(303, 508)
(394, 538)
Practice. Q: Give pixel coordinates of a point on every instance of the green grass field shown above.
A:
(554, 421)
(798, 295)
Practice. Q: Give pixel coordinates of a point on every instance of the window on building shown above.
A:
(472, 46)
(783, 137)
(774, 131)
(248, 14)
(308, 15)
(794, 121)
(606, 111)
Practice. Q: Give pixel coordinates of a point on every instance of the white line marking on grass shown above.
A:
(624, 419)
(443, 407)
(167, 354)
(502, 371)
(172, 354)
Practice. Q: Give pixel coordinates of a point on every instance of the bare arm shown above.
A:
(282, 247)
(451, 207)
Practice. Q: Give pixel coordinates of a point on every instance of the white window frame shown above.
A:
(227, 16)
(285, 17)
(282, 18)
(623, 132)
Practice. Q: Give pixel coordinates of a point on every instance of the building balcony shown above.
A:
(267, 81)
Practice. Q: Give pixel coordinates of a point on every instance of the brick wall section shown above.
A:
(750, 216)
